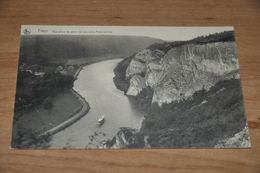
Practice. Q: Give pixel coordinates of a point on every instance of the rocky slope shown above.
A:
(210, 119)
(125, 138)
(239, 140)
(181, 71)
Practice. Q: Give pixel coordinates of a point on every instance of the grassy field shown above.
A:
(39, 120)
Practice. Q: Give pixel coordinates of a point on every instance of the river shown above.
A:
(95, 84)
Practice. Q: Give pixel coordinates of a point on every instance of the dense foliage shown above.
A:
(197, 122)
(33, 90)
(120, 80)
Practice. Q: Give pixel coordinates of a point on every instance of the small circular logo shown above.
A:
(26, 31)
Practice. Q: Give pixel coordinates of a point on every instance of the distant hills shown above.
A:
(225, 36)
(57, 48)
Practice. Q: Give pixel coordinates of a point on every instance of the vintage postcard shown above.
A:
(122, 87)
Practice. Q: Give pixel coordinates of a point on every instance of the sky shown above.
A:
(164, 33)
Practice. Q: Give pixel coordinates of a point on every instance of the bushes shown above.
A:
(48, 104)
(176, 125)
(32, 90)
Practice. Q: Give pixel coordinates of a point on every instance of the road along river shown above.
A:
(95, 84)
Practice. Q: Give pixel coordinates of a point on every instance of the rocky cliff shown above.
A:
(181, 71)
(239, 140)
(200, 82)
(125, 138)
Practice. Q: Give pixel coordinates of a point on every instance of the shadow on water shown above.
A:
(137, 108)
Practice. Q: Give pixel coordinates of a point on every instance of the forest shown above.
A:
(200, 122)
(33, 90)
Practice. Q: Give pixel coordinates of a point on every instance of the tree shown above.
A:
(48, 104)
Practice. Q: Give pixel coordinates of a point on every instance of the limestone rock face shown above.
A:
(139, 63)
(135, 67)
(137, 83)
(125, 138)
(183, 70)
(240, 139)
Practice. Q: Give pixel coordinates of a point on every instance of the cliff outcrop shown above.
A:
(125, 138)
(181, 71)
(239, 140)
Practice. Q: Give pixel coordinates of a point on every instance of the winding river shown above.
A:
(95, 84)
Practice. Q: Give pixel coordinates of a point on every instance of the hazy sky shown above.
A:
(164, 33)
(177, 33)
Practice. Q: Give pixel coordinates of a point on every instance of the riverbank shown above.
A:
(39, 120)
(80, 111)
(74, 116)
(68, 108)
(84, 106)
(95, 83)
(35, 127)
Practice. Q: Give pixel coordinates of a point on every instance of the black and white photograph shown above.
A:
(128, 87)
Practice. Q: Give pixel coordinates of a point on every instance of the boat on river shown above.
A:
(101, 120)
